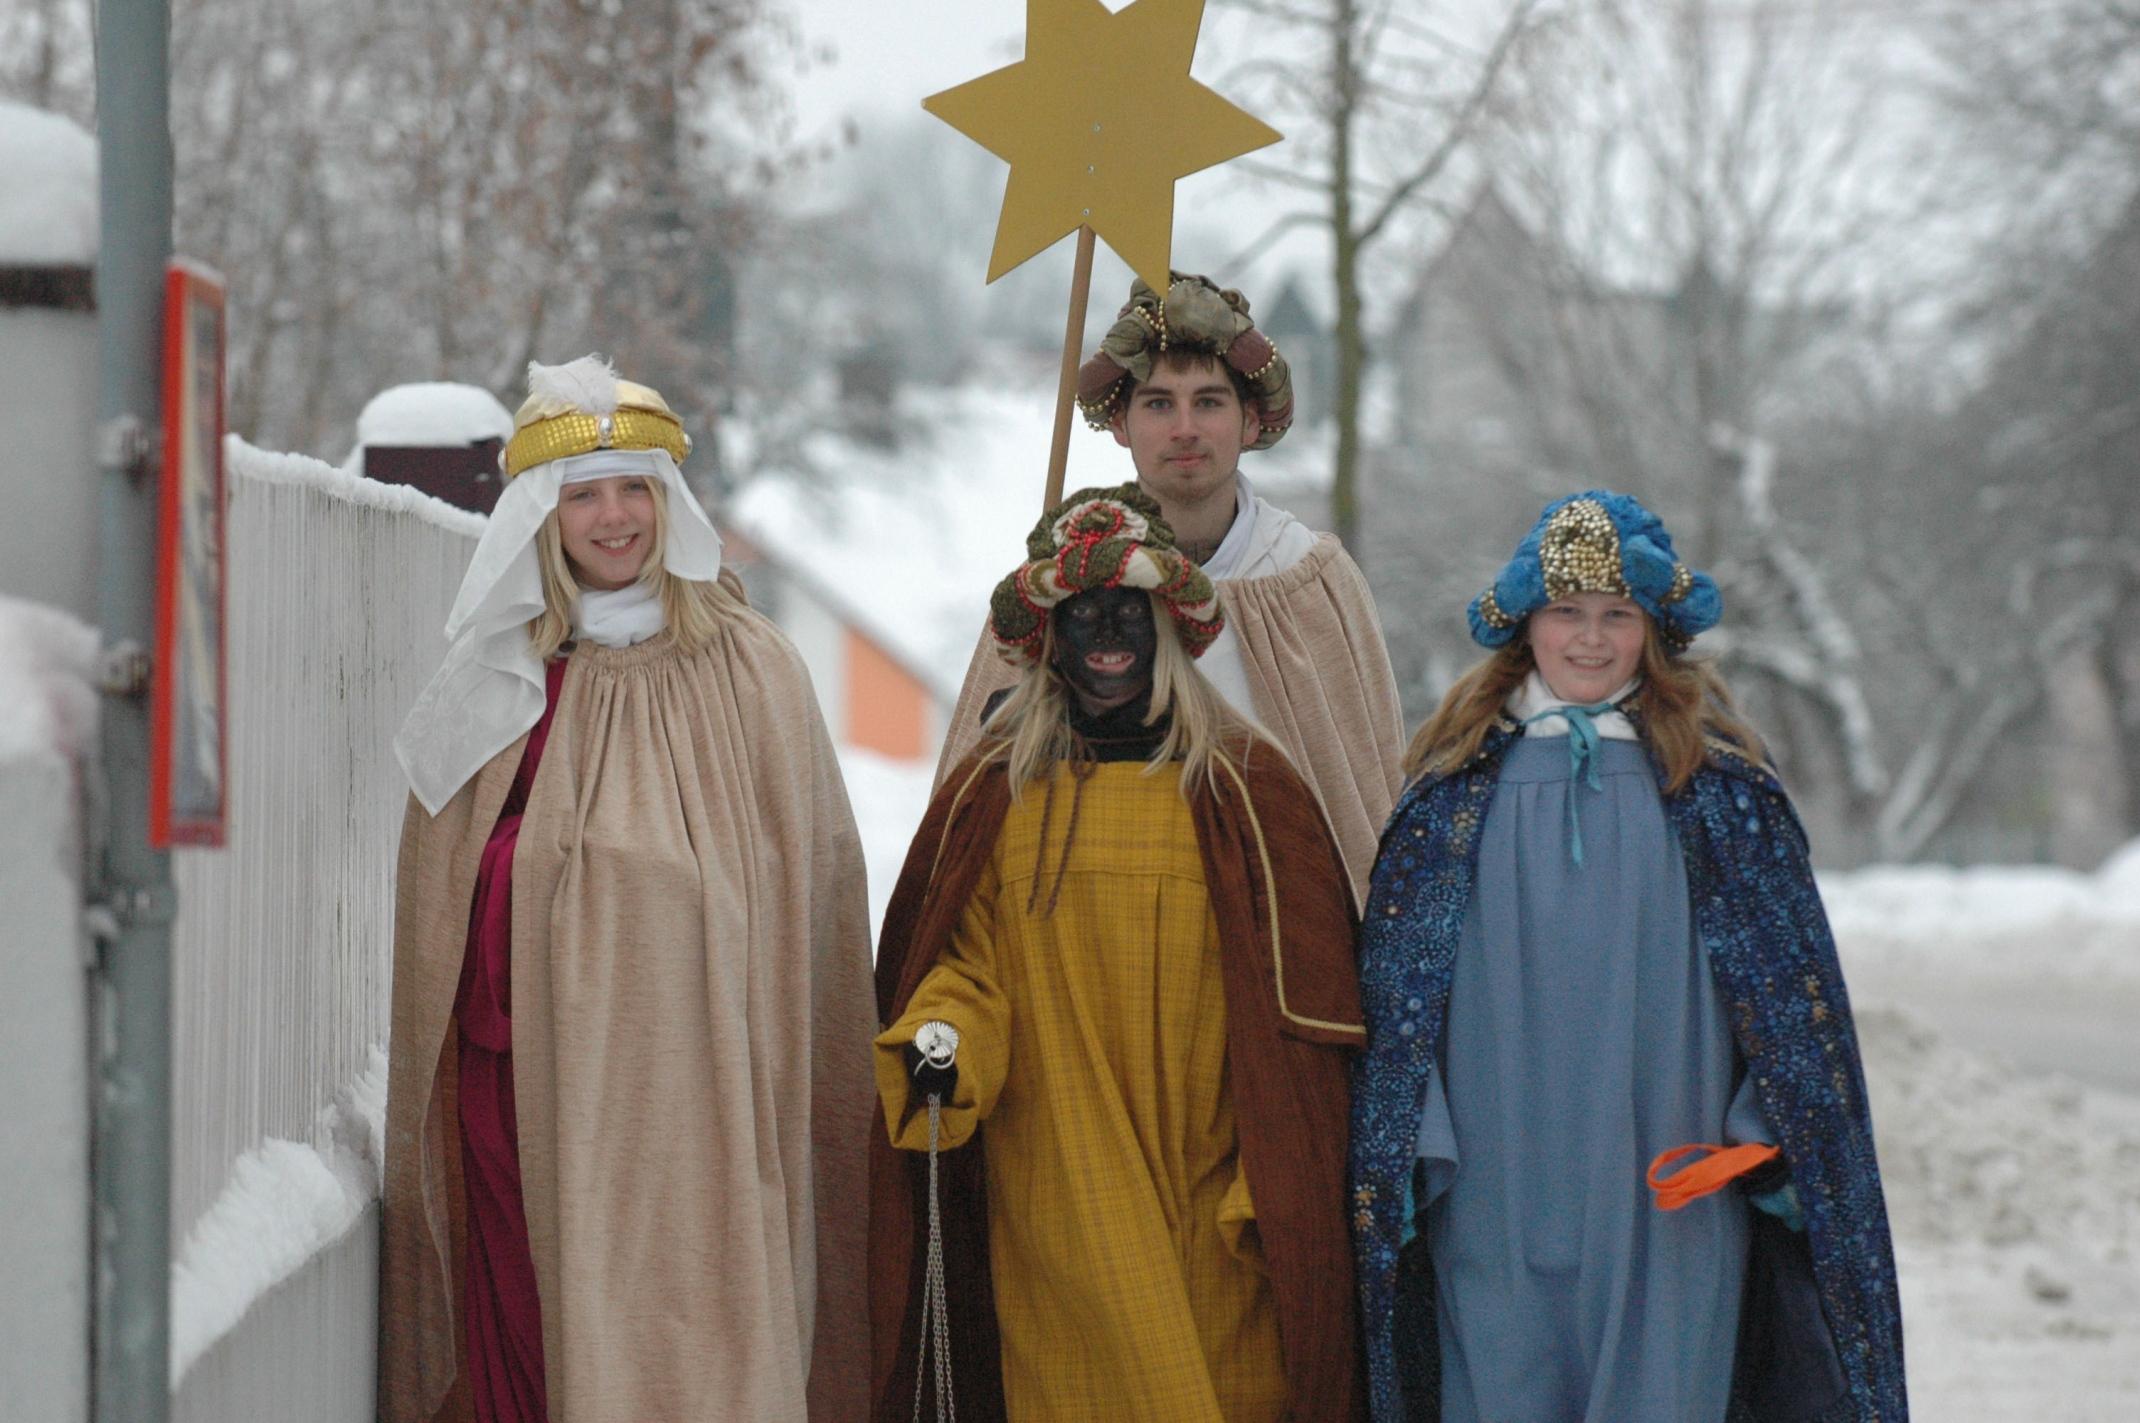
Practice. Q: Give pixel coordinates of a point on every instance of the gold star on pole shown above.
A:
(1097, 122)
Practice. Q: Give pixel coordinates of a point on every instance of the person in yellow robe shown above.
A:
(1120, 957)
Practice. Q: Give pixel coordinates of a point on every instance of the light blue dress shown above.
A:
(1585, 1036)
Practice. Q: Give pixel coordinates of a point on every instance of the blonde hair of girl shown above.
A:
(1680, 708)
(1031, 731)
(692, 611)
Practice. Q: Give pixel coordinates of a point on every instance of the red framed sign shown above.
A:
(188, 765)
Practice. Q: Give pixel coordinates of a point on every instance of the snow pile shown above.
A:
(1975, 1153)
(48, 699)
(1991, 921)
(429, 413)
(271, 467)
(284, 1204)
(2015, 1202)
(48, 206)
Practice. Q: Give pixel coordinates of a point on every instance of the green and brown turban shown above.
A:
(1101, 538)
(1195, 316)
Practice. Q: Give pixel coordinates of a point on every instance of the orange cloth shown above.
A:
(1722, 1166)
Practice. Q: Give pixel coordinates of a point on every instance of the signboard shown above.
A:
(188, 768)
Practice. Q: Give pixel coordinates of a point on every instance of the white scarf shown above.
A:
(1534, 697)
(1262, 540)
(618, 617)
(490, 688)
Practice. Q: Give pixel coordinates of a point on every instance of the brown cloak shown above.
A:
(1320, 680)
(1293, 1020)
(691, 1028)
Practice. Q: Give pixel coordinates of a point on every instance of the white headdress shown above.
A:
(580, 422)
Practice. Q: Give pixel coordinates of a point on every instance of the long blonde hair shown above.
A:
(1681, 705)
(1031, 732)
(692, 611)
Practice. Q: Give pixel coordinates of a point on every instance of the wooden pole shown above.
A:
(1073, 349)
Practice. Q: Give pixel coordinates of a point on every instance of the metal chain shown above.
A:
(935, 1315)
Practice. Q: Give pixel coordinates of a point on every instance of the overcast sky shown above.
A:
(890, 54)
(874, 61)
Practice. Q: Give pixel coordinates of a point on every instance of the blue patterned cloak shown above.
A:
(1760, 918)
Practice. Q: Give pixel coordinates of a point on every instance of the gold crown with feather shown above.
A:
(583, 406)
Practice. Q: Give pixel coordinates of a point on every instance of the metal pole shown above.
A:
(132, 1004)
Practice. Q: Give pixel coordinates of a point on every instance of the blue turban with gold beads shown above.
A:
(1598, 542)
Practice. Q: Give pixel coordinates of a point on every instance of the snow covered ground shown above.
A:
(1999, 1009)
(2012, 1156)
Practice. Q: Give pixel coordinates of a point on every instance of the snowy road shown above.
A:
(2090, 1033)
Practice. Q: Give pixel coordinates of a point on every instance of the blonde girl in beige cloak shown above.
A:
(629, 1085)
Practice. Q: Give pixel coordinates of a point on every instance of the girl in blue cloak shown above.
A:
(1611, 1158)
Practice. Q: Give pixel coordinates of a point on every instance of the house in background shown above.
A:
(1518, 373)
(1309, 346)
(874, 693)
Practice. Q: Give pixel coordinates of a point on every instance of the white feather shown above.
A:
(588, 384)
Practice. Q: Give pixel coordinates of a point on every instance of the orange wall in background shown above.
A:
(887, 710)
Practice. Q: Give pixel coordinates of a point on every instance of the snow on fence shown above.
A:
(338, 589)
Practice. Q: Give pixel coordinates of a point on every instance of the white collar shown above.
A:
(1535, 698)
(618, 617)
(1233, 549)
(490, 688)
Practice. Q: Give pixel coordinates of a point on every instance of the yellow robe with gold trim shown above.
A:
(1128, 1280)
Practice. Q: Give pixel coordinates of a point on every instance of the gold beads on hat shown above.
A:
(1580, 552)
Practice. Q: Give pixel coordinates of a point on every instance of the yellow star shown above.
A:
(1097, 121)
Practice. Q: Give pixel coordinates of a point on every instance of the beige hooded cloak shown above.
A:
(691, 1023)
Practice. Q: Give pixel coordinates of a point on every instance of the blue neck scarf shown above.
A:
(1583, 740)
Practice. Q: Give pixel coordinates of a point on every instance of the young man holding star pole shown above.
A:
(1187, 383)
(1098, 121)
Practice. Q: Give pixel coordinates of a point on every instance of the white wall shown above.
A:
(46, 721)
(48, 382)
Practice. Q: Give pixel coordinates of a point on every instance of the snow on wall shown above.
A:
(285, 1203)
(48, 206)
(339, 587)
(47, 702)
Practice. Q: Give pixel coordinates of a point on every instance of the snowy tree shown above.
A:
(44, 56)
(402, 191)
(1377, 99)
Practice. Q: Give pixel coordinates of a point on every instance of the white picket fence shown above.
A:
(338, 589)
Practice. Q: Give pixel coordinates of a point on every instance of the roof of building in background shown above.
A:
(908, 542)
(48, 205)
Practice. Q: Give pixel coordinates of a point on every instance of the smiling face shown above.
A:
(1587, 645)
(1104, 643)
(1185, 429)
(607, 527)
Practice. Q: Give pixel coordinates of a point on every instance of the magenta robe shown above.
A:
(501, 1312)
